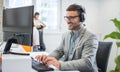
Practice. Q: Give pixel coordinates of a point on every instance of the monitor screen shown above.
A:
(18, 23)
(18, 19)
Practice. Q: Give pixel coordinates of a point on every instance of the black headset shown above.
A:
(81, 11)
(82, 17)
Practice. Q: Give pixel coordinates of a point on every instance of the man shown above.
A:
(78, 45)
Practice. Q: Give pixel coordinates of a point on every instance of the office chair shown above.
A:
(102, 56)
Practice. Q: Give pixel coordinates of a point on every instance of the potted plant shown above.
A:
(116, 36)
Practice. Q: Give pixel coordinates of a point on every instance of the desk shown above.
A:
(0, 63)
(16, 63)
(19, 63)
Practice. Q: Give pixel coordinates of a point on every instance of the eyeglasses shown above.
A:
(70, 17)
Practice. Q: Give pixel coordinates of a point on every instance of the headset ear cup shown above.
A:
(82, 18)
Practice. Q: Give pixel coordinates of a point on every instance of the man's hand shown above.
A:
(48, 60)
(41, 58)
(52, 61)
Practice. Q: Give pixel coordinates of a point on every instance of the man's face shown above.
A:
(72, 19)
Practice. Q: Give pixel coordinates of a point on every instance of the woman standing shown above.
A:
(38, 30)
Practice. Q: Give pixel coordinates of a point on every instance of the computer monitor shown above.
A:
(18, 23)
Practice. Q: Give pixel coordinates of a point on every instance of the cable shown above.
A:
(1, 43)
(15, 53)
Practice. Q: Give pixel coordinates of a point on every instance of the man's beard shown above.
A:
(72, 26)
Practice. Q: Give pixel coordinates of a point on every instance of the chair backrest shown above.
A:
(102, 56)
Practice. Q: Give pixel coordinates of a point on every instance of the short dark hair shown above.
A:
(75, 7)
(79, 9)
(36, 13)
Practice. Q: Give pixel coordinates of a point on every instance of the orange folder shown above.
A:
(27, 48)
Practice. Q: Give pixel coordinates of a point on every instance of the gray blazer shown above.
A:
(84, 56)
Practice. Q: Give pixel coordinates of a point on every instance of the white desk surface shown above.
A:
(10, 57)
(20, 58)
(16, 63)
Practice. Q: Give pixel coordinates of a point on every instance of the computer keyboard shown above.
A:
(40, 67)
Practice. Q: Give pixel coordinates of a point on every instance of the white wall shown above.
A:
(52, 40)
(1, 7)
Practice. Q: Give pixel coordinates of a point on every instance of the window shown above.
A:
(48, 10)
(17, 3)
